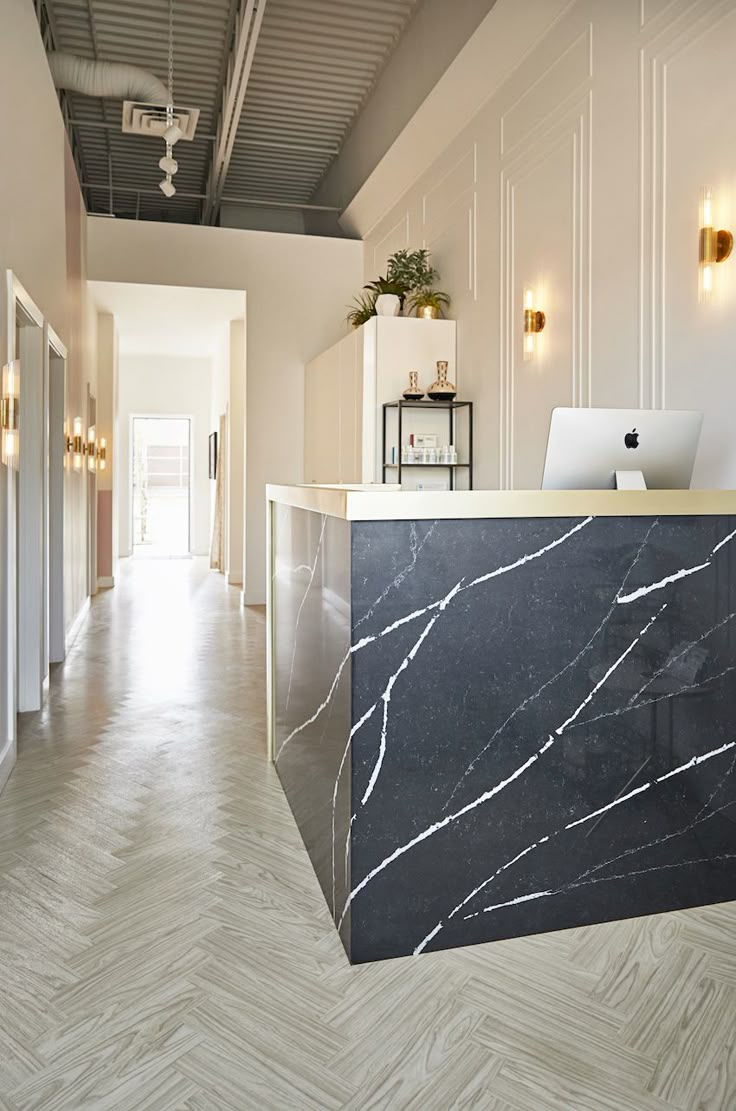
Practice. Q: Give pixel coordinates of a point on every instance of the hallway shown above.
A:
(164, 942)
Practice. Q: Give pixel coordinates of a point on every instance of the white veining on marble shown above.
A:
(442, 823)
(532, 556)
(366, 716)
(607, 674)
(705, 814)
(619, 801)
(312, 571)
(661, 583)
(322, 706)
(365, 641)
(386, 696)
(603, 879)
(684, 573)
(415, 547)
(549, 682)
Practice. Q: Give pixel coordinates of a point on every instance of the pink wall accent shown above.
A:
(104, 534)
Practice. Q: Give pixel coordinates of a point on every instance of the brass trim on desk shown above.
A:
(380, 504)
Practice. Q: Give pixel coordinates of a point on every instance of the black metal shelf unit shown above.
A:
(452, 408)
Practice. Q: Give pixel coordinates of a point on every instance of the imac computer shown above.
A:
(624, 449)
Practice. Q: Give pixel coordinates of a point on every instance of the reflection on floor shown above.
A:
(164, 942)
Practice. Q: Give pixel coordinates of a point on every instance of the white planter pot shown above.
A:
(388, 304)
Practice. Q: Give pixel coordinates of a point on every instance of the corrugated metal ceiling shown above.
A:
(315, 64)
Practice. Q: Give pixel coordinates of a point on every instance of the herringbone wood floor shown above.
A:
(164, 943)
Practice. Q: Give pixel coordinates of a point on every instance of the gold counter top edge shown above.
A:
(376, 503)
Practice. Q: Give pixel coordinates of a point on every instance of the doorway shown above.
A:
(161, 485)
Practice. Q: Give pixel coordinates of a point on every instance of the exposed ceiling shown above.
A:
(306, 67)
(168, 320)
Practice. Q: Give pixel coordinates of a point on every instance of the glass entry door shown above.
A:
(161, 487)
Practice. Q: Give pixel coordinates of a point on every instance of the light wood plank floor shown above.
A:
(164, 943)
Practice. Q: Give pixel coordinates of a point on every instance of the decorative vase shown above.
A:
(442, 390)
(413, 393)
(428, 312)
(388, 304)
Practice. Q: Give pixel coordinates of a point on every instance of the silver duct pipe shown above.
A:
(106, 79)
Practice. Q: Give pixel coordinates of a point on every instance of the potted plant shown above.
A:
(430, 304)
(411, 269)
(363, 309)
(389, 294)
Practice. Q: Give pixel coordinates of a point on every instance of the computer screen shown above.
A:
(586, 447)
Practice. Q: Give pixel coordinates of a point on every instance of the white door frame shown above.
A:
(16, 304)
(55, 633)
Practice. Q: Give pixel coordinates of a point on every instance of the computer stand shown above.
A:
(630, 480)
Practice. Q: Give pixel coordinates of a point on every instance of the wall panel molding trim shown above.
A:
(573, 131)
(505, 38)
(687, 22)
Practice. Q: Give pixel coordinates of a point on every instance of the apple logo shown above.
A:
(631, 439)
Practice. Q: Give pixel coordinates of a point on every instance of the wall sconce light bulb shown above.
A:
(10, 415)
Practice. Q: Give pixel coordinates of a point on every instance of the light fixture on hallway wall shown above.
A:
(10, 415)
(714, 246)
(92, 449)
(534, 322)
(75, 444)
(102, 454)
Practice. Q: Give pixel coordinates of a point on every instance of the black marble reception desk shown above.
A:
(496, 714)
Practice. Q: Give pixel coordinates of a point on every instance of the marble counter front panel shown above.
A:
(489, 728)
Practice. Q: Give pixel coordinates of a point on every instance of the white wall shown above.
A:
(42, 228)
(580, 176)
(165, 385)
(298, 289)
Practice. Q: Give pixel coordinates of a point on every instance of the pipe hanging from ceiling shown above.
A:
(106, 79)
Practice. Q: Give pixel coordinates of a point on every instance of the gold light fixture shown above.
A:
(102, 454)
(534, 321)
(92, 449)
(75, 444)
(10, 415)
(714, 245)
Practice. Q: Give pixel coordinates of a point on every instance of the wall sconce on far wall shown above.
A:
(102, 454)
(75, 444)
(534, 321)
(92, 449)
(10, 415)
(714, 246)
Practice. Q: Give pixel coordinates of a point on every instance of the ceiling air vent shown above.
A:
(150, 119)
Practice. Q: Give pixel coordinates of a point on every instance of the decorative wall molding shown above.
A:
(449, 208)
(687, 22)
(573, 130)
(393, 240)
(548, 96)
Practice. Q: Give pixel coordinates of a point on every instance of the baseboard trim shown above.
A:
(233, 580)
(77, 623)
(242, 599)
(7, 761)
(106, 581)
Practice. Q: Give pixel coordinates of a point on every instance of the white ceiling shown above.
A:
(166, 319)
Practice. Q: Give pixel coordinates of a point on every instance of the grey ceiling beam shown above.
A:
(248, 25)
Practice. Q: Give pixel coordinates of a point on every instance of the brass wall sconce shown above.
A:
(75, 444)
(10, 415)
(102, 454)
(534, 321)
(92, 449)
(714, 245)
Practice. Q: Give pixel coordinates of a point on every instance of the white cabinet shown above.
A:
(346, 386)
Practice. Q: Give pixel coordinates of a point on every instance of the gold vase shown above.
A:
(428, 312)
(442, 389)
